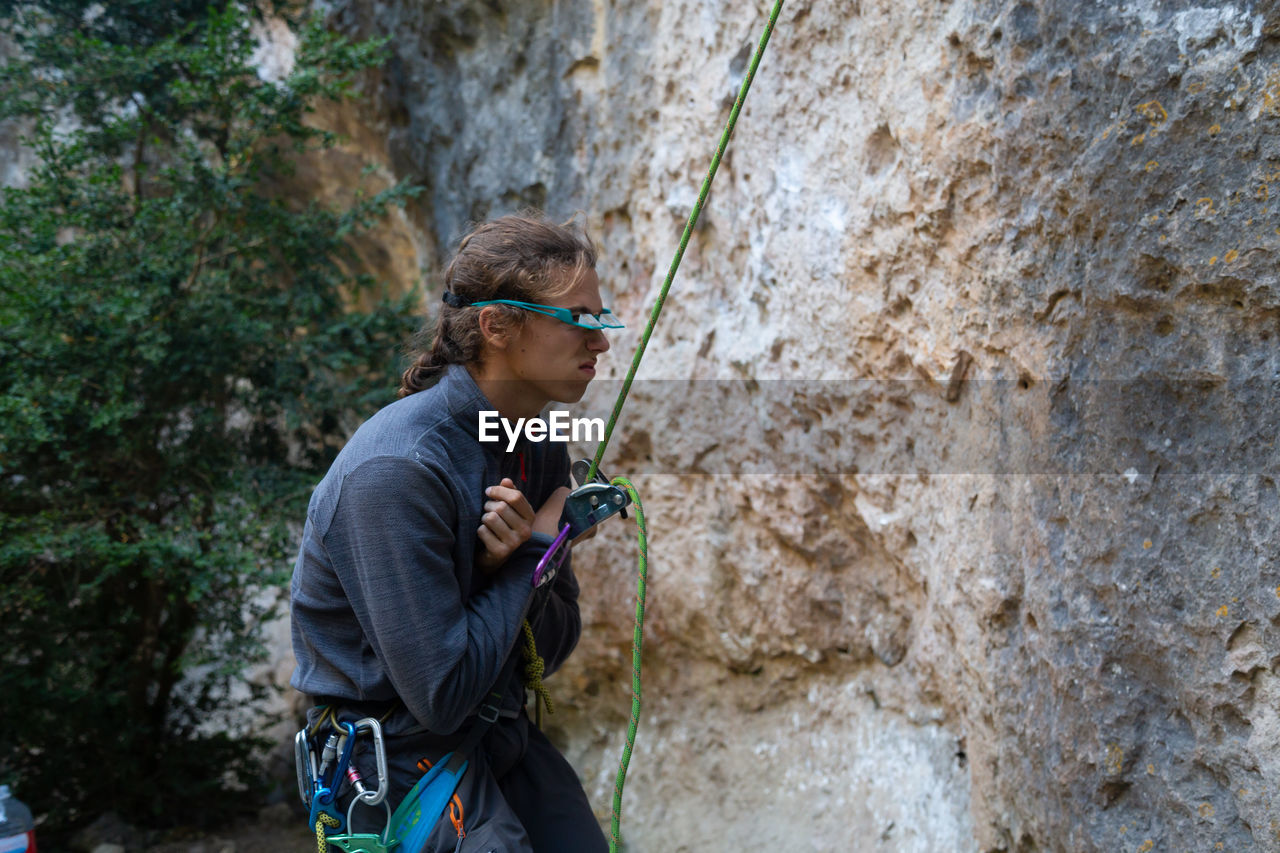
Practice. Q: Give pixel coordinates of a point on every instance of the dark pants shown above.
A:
(519, 795)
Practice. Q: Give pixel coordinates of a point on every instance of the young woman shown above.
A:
(413, 582)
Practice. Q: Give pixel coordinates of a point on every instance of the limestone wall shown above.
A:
(957, 430)
(957, 433)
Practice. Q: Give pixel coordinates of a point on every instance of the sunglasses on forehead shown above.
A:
(581, 319)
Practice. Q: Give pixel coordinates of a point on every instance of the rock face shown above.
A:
(957, 432)
(957, 435)
(958, 428)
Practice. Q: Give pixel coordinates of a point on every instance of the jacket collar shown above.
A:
(462, 397)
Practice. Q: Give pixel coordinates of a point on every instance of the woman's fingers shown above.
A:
(492, 544)
(502, 512)
(506, 526)
(492, 552)
(507, 523)
(497, 540)
(507, 493)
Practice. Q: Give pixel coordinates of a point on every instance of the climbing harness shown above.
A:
(416, 817)
(594, 500)
(426, 801)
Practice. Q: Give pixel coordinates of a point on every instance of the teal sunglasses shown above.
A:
(581, 319)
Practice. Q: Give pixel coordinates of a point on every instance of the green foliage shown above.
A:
(176, 346)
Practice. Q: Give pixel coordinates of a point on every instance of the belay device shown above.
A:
(585, 507)
(594, 500)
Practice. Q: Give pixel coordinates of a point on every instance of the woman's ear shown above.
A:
(493, 328)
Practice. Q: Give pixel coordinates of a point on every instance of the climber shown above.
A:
(412, 585)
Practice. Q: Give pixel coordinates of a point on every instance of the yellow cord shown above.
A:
(534, 668)
(324, 820)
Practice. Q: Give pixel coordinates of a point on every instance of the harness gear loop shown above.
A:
(534, 668)
(455, 804)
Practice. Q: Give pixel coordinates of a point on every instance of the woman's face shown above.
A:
(552, 360)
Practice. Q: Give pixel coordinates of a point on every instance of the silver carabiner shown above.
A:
(304, 758)
(380, 760)
(363, 794)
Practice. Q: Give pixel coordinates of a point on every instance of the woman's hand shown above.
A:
(547, 519)
(507, 523)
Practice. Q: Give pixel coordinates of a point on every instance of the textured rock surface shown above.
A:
(1041, 615)
(1038, 616)
(1023, 598)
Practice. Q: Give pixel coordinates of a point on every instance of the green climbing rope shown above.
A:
(643, 563)
(684, 239)
(637, 641)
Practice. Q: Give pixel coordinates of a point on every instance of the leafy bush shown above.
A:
(176, 345)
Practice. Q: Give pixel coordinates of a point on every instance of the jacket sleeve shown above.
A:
(393, 547)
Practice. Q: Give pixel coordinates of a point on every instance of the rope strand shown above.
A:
(534, 669)
(324, 820)
(684, 239)
(637, 644)
(642, 571)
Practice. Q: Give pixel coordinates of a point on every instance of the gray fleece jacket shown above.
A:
(387, 602)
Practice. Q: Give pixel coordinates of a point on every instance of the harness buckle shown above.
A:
(493, 712)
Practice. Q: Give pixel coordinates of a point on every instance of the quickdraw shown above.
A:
(318, 785)
(340, 742)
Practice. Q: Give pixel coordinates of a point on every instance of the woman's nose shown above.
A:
(597, 341)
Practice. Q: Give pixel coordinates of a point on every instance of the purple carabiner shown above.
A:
(554, 558)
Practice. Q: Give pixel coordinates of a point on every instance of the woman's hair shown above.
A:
(513, 257)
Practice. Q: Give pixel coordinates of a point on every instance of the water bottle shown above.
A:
(17, 829)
